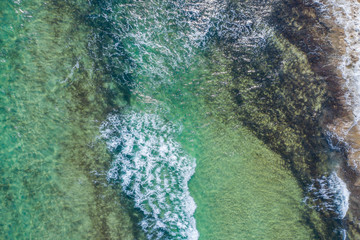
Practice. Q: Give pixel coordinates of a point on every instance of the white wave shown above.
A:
(346, 13)
(153, 170)
(329, 193)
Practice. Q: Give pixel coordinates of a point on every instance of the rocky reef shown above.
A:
(289, 91)
(314, 28)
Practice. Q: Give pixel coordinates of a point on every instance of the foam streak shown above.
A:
(154, 171)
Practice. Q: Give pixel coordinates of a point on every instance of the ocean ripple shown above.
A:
(153, 170)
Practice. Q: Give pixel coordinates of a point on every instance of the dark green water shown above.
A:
(110, 105)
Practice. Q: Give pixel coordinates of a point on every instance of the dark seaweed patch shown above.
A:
(284, 94)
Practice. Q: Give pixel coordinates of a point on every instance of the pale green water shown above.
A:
(49, 157)
(241, 188)
(64, 68)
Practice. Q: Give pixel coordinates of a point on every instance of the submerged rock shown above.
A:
(285, 88)
(326, 32)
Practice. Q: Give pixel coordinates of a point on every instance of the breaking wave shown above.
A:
(330, 194)
(153, 170)
(347, 15)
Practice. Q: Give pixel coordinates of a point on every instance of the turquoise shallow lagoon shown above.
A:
(118, 121)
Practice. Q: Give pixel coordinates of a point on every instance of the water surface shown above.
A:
(119, 121)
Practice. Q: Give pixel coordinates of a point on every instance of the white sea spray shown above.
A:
(329, 193)
(346, 14)
(154, 171)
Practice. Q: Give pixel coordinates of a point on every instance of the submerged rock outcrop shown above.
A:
(290, 92)
(327, 33)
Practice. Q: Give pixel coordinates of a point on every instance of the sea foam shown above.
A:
(346, 14)
(153, 170)
(329, 193)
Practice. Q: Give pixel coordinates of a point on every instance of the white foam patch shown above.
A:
(154, 171)
(346, 14)
(329, 193)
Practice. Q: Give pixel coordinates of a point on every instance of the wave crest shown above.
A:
(154, 171)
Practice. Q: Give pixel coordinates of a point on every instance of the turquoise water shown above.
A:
(52, 184)
(119, 122)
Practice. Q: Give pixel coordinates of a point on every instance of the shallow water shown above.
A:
(53, 171)
(119, 122)
(233, 185)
